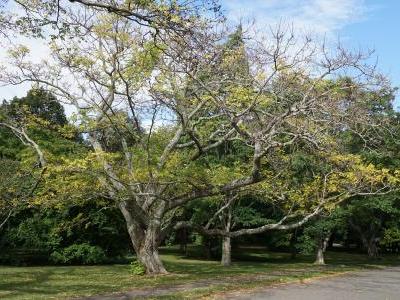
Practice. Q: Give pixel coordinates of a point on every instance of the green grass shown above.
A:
(256, 267)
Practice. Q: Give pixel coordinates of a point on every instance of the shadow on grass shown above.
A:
(260, 261)
(60, 282)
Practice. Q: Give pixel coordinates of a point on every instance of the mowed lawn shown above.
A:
(256, 267)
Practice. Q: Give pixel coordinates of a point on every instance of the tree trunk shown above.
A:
(320, 260)
(368, 239)
(331, 240)
(183, 239)
(292, 245)
(370, 245)
(226, 251)
(145, 241)
(226, 258)
(322, 244)
(372, 248)
(149, 257)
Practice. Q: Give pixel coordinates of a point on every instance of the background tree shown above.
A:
(20, 175)
(317, 234)
(369, 217)
(47, 233)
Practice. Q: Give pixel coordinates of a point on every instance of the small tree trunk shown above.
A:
(183, 240)
(226, 258)
(368, 239)
(331, 240)
(207, 247)
(226, 251)
(370, 245)
(293, 250)
(372, 248)
(320, 258)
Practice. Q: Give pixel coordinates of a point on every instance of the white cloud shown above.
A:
(318, 16)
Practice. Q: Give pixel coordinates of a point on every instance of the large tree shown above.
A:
(169, 100)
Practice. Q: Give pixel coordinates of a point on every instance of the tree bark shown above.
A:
(145, 241)
(322, 244)
(226, 259)
(372, 248)
(149, 257)
(320, 260)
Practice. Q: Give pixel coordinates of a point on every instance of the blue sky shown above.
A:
(380, 30)
(359, 23)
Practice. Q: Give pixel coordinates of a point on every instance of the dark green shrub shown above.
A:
(79, 254)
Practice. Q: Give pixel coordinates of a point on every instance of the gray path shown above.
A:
(367, 285)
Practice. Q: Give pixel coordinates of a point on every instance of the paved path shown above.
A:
(366, 285)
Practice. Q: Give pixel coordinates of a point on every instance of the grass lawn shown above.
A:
(256, 267)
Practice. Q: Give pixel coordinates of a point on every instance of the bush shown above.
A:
(137, 268)
(79, 254)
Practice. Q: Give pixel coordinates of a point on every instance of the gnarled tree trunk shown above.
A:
(149, 257)
(145, 240)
